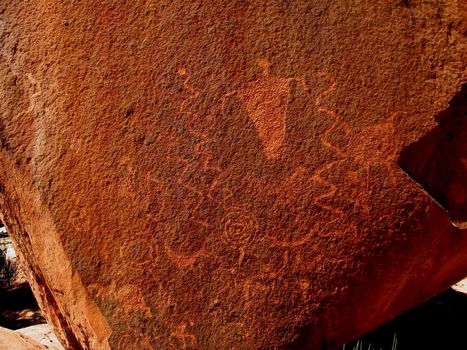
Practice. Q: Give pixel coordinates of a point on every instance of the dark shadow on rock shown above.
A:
(18, 308)
(437, 324)
(438, 161)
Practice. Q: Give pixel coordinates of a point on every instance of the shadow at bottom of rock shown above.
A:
(18, 308)
(438, 324)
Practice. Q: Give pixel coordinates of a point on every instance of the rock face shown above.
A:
(10, 340)
(438, 161)
(43, 334)
(224, 174)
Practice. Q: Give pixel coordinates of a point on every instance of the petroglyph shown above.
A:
(272, 272)
(266, 101)
(312, 215)
(240, 228)
(181, 339)
(325, 137)
(376, 145)
(201, 149)
(198, 195)
(183, 260)
(302, 199)
(138, 252)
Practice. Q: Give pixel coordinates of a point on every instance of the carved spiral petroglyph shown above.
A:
(241, 228)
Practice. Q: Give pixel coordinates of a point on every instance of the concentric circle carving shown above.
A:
(240, 228)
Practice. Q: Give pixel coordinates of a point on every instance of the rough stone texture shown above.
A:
(223, 174)
(10, 340)
(438, 161)
(43, 334)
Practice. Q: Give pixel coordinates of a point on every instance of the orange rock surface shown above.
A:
(10, 340)
(228, 174)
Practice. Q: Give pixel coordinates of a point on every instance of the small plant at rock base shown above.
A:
(7, 269)
(360, 346)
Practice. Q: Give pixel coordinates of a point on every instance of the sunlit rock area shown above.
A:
(234, 175)
(22, 324)
(439, 323)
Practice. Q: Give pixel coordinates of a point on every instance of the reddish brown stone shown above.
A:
(223, 174)
(438, 161)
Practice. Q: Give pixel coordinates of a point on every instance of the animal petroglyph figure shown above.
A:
(376, 145)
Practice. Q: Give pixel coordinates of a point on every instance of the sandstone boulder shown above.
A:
(43, 334)
(228, 174)
(10, 340)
